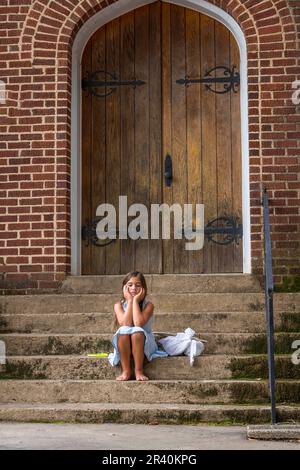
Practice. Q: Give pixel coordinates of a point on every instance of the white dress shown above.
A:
(150, 347)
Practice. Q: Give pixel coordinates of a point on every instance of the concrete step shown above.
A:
(168, 368)
(160, 283)
(86, 303)
(174, 302)
(217, 343)
(154, 391)
(208, 322)
(137, 413)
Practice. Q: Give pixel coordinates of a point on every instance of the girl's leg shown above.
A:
(124, 346)
(138, 341)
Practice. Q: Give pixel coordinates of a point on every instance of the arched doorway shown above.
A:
(130, 128)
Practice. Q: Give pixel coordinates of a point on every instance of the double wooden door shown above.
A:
(162, 80)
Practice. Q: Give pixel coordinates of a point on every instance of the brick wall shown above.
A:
(36, 39)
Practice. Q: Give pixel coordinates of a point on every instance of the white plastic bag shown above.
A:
(183, 343)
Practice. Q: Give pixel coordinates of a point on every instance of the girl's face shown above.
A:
(134, 286)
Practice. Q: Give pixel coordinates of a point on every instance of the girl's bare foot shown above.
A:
(139, 375)
(126, 375)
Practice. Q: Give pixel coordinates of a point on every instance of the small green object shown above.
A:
(98, 355)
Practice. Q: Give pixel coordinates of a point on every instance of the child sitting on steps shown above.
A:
(134, 314)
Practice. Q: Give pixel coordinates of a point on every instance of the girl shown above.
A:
(134, 314)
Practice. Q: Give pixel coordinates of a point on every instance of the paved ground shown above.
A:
(126, 437)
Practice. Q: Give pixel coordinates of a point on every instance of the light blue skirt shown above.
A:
(150, 347)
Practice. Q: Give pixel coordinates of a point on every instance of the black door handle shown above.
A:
(168, 173)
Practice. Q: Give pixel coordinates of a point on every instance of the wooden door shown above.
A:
(130, 128)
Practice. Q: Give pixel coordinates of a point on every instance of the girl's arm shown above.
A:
(140, 318)
(124, 318)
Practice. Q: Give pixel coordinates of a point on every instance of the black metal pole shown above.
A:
(271, 362)
(269, 306)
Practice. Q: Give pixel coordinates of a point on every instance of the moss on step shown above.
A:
(55, 346)
(257, 367)
(256, 306)
(24, 370)
(251, 367)
(289, 284)
(289, 322)
(283, 343)
(226, 422)
(264, 419)
(209, 392)
(94, 346)
(257, 344)
(229, 417)
(28, 328)
(3, 325)
(112, 416)
(158, 421)
(247, 392)
(245, 415)
(288, 392)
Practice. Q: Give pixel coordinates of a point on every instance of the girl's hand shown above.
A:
(140, 295)
(126, 293)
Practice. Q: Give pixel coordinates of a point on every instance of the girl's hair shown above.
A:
(127, 278)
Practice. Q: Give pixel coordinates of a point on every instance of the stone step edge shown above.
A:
(133, 383)
(152, 294)
(108, 335)
(136, 405)
(157, 294)
(233, 313)
(277, 311)
(78, 356)
(139, 406)
(104, 405)
(146, 413)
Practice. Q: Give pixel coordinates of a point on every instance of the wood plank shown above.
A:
(97, 161)
(209, 151)
(223, 129)
(178, 128)
(127, 131)
(155, 128)
(236, 156)
(86, 155)
(141, 114)
(112, 168)
(193, 116)
(168, 262)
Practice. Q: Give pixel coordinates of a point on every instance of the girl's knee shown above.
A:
(138, 336)
(124, 339)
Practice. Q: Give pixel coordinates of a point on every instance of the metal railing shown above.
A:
(269, 289)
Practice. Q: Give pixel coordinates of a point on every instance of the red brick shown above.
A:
(16, 260)
(31, 268)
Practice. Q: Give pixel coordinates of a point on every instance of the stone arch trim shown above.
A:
(69, 18)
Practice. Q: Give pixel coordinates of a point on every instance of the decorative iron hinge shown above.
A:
(222, 230)
(227, 227)
(108, 81)
(89, 235)
(230, 80)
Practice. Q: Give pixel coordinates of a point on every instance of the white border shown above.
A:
(95, 22)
